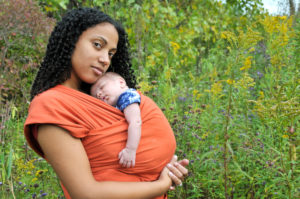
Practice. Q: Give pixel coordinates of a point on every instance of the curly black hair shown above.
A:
(56, 65)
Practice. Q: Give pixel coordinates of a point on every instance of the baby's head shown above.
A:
(109, 87)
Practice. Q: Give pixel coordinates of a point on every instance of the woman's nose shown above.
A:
(104, 59)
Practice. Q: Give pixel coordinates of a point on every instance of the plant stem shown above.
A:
(226, 139)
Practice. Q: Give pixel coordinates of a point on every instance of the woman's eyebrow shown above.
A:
(103, 39)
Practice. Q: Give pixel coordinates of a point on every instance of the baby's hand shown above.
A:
(127, 157)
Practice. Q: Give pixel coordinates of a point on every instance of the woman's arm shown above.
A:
(69, 160)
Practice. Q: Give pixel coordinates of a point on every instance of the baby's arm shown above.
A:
(133, 116)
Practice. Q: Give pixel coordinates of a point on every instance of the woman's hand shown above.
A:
(176, 171)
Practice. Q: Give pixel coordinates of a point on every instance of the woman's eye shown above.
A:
(97, 44)
(111, 54)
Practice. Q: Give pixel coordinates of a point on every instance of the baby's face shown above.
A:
(108, 90)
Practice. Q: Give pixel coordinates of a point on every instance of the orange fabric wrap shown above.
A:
(103, 132)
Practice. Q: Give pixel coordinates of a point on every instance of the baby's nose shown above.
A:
(98, 95)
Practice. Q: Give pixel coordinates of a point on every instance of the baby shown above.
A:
(112, 89)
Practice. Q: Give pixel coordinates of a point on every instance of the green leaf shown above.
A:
(10, 158)
(63, 4)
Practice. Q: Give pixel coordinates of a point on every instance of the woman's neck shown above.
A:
(71, 84)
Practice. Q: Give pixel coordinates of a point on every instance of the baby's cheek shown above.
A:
(93, 91)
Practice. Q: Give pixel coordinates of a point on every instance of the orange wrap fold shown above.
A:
(103, 132)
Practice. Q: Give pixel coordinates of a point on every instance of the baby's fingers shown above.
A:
(120, 154)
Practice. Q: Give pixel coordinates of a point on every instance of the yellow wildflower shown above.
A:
(195, 92)
(230, 81)
(261, 95)
(151, 60)
(223, 35)
(247, 63)
(283, 28)
(282, 17)
(214, 74)
(38, 172)
(205, 135)
(145, 86)
(216, 88)
(275, 60)
(168, 73)
(34, 179)
(248, 38)
(230, 37)
(251, 49)
(245, 82)
(290, 21)
(198, 96)
(191, 76)
(48, 9)
(213, 28)
(285, 136)
(175, 47)
(157, 53)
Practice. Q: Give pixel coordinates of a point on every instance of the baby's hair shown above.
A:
(112, 75)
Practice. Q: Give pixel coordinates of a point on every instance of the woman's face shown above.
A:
(93, 53)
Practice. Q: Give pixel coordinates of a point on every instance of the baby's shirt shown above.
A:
(130, 96)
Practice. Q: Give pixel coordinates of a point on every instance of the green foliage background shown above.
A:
(226, 76)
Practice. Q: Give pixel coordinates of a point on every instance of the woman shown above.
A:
(79, 135)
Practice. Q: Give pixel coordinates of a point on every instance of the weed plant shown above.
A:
(229, 86)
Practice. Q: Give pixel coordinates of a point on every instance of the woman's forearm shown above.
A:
(124, 190)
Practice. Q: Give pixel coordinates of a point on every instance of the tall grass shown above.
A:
(229, 87)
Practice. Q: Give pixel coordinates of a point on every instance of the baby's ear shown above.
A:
(122, 82)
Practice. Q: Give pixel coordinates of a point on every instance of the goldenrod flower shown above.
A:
(34, 179)
(198, 96)
(230, 37)
(230, 81)
(145, 86)
(282, 17)
(247, 63)
(261, 95)
(195, 92)
(285, 136)
(251, 49)
(245, 82)
(216, 88)
(175, 47)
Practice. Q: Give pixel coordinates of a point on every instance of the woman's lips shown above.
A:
(98, 71)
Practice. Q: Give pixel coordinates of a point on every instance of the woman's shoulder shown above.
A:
(52, 93)
(50, 96)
